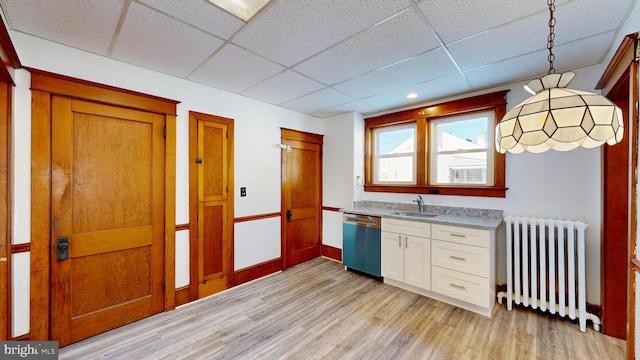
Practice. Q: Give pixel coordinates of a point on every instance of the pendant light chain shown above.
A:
(552, 35)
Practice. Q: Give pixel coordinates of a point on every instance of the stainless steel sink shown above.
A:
(413, 214)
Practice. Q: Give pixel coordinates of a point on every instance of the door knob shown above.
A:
(289, 214)
(63, 248)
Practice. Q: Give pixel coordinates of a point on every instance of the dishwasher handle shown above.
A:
(362, 220)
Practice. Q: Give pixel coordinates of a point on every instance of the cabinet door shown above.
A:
(417, 261)
(392, 256)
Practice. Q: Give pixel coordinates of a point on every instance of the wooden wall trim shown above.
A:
(332, 252)
(329, 208)
(183, 295)
(5, 208)
(87, 90)
(19, 248)
(256, 217)
(257, 271)
(44, 85)
(180, 227)
(619, 62)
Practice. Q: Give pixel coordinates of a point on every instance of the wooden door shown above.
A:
(108, 202)
(214, 218)
(301, 196)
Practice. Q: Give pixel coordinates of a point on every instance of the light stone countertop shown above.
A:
(471, 218)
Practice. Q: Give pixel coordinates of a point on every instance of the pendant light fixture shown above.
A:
(556, 117)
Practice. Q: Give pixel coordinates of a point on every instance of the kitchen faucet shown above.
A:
(420, 202)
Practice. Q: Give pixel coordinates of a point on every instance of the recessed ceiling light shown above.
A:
(244, 9)
(412, 96)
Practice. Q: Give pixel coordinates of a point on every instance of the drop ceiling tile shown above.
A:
(290, 31)
(201, 14)
(455, 20)
(427, 66)
(434, 89)
(357, 106)
(235, 69)
(155, 41)
(319, 100)
(582, 18)
(529, 66)
(502, 43)
(588, 51)
(87, 25)
(283, 87)
(384, 44)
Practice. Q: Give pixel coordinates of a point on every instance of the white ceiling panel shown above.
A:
(290, 31)
(427, 66)
(283, 87)
(319, 100)
(325, 57)
(502, 43)
(398, 38)
(235, 69)
(84, 24)
(580, 19)
(429, 90)
(529, 66)
(158, 42)
(357, 106)
(455, 20)
(201, 14)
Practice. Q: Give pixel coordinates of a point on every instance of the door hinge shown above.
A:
(164, 132)
(164, 286)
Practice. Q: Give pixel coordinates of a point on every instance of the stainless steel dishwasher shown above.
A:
(361, 244)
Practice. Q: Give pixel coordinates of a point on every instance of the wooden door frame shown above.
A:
(291, 134)
(194, 117)
(620, 81)
(8, 60)
(44, 85)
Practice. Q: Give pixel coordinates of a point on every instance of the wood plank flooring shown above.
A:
(317, 310)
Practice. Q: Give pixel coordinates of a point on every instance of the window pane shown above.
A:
(463, 134)
(462, 168)
(395, 169)
(397, 140)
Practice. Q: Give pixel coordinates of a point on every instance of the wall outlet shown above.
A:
(243, 191)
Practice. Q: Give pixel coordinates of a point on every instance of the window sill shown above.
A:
(488, 191)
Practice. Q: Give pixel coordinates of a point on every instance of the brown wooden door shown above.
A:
(302, 196)
(214, 163)
(108, 201)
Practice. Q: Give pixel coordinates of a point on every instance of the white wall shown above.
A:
(257, 128)
(558, 185)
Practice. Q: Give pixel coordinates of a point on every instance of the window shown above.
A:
(395, 155)
(461, 152)
(446, 149)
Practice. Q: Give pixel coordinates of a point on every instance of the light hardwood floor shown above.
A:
(317, 310)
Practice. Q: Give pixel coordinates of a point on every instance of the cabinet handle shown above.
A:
(406, 242)
(399, 240)
(457, 258)
(457, 235)
(457, 286)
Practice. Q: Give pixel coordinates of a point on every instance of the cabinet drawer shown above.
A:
(461, 235)
(465, 287)
(415, 228)
(459, 257)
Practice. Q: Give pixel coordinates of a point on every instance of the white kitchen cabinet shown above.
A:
(453, 264)
(463, 265)
(406, 252)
